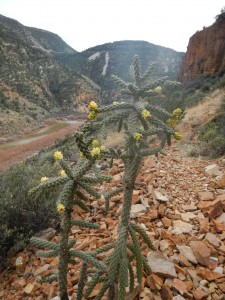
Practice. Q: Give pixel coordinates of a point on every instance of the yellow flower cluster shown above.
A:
(177, 112)
(145, 114)
(43, 179)
(60, 208)
(92, 115)
(158, 90)
(63, 173)
(58, 155)
(175, 117)
(177, 136)
(93, 105)
(171, 122)
(137, 136)
(95, 143)
(95, 151)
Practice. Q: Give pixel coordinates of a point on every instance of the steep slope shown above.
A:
(100, 62)
(33, 84)
(205, 53)
(35, 37)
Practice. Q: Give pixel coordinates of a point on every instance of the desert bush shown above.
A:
(20, 214)
(212, 141)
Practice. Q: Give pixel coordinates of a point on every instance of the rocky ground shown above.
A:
(180, 203)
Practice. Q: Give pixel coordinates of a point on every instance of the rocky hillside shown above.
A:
(100, 62)
(180, 205)
(38, 38)
(33, 84)
(205, 53)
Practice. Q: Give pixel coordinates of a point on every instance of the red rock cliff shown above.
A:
(205, 53)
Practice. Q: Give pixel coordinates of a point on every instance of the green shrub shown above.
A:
(20, 214)
(212, 141)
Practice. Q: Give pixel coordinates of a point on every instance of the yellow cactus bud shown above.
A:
(95, 151)
(102, 147)
(58, 155)
(145, 114)
(158, 90)
(115, 103)
(95, 143)
(177, 112)
(92, 115)
(171, 122)
(43, 179)
(63, 173)
(137, 136)
(60, 208)
(93, 105)
(177, 136)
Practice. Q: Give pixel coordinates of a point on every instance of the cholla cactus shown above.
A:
(146, 132)
(142, 123)
(74, 183)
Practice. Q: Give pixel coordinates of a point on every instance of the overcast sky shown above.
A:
(87, 23)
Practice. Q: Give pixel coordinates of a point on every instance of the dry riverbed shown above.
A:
(18, 150)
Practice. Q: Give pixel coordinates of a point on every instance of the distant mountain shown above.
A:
(100, 62)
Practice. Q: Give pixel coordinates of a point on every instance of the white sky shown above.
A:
(87, 23)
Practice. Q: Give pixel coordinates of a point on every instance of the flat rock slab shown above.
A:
(181, 227)
(161, 265)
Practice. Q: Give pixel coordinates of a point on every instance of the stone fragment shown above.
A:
(216, 211)
(212, 170)
(179, 286)
(41, 269)
(221, 182)
(221, 218)
(28, 288)
(161, 210)
(163, 245)
(189, 207)
(154, 282)
(181, 227)
(183, 261)
(204, 225)
(188, 253)
(199, 294)
(201, 252)
(158, 196)
(161, 265)
(220, 227)
(137, 210)
(205, 196)
(208, 274)
(186, 217)
(166, 222)
(212, 239)
(178, 297)
(193, 274)
(166, 293)
(152, 214)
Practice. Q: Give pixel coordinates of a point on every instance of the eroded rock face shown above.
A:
(205, 53)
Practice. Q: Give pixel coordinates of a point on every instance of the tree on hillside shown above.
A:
(221, 16)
